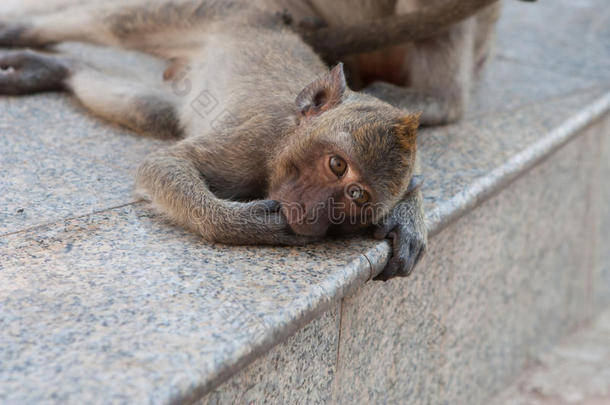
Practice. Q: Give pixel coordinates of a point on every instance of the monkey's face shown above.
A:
(345, 169)
(322, 190)
(348, 163)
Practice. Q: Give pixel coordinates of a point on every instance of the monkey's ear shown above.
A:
(406, 130)
(408, 124)
(323, 94)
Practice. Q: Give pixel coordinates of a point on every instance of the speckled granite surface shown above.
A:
(118, 305)
(300, 370)
(600, 223)
(100, 301)
(576, 371)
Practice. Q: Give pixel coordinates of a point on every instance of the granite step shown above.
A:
(103, 302)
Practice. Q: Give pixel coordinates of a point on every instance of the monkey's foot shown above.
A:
(26, 71)
(408, 247)
(437, 109)
(14, 35)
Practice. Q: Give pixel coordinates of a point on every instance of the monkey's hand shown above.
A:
(261, 222)
(406, 228)
(25, 71)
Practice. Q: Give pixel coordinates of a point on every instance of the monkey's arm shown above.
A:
(406, 228)
(175, 181)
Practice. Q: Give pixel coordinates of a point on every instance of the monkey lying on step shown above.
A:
(293, 155)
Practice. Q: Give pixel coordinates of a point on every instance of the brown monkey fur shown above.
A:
(279, 115)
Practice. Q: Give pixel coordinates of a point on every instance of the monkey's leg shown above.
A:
(443, 67)
(138, 106)
(174, 180)
(436, 108)
(79, 23)
(141, 107)
(154, 27)
(20, 8)
(439, 72)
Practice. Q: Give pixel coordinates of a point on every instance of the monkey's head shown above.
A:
(349, 162)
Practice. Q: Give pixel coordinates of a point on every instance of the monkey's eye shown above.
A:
(359, 196)
(338, 166)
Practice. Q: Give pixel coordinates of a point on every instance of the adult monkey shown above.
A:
(420, 55)
(374, 162)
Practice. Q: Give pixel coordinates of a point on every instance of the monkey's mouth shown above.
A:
(304, 222)
(315, 231)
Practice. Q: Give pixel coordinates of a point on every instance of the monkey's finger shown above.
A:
(412, 257)
(403, 255)
(408, 251)
(390, 270)
(383, 231)
(387, 273)
(395, 264)
(410, 260)
(421, 254)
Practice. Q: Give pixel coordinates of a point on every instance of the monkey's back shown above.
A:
(246, 74)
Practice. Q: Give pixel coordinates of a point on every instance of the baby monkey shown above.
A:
(275, 148)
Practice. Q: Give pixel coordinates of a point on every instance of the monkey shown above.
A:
(272, 146)
(134, 24)
(433, 75)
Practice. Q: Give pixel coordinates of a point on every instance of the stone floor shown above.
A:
(576, 371)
